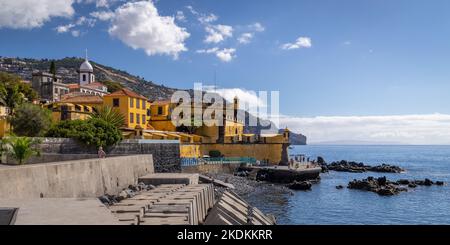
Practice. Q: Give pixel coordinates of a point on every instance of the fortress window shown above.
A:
(116, 103)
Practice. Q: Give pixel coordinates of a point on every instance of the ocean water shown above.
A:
(326, 205)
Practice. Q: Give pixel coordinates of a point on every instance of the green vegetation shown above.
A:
(215, 154)
(109, 115)
(13, 91)
(22, 148)
(93, 132)
(53, 68)
(31, 120)
(112, 86)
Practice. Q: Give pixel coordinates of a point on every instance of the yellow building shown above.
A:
(4, 124)
(132, 105)
(160, 116)
(228, 138)
(68, 111)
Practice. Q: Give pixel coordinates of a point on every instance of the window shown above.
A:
(160, 110)
(77, 108)
(149, 112)
(131, 102)
(56, 90)
(138, 118)
(144, 104)
(131, 117)
(144, 121)
(116, 103)
(138, 103)
(84, 77)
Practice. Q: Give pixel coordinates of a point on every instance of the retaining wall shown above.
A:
(166, 153)
(73, 179)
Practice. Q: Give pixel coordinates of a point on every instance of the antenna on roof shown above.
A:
(86, 57)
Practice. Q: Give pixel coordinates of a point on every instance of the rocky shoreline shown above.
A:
(357, 167)
(245, 186)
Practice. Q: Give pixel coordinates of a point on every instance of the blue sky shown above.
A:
(353, 60)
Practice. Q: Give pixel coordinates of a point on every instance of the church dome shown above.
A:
(86, 66)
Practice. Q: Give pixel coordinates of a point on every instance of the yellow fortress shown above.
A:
(153, 120)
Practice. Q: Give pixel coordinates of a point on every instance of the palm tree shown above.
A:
(22, 148)
(108, 114)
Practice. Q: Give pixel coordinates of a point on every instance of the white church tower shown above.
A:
(86, 72)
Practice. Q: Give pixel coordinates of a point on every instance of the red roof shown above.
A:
(126, 92)
(89, 99)
(73, 85)
(94, 85)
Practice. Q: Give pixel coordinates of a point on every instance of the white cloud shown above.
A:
(180, 16)
(99, 3)
(247, 98)
(207, 51)
(102, 15)
(75, 33)
(139, 25)
(257, 27)
(28, 14)
(245, 38)
(405, 129)
(225, 55)
(218, 33)
(79, 22)
(192, 10)
(301, 42)
(208, 18)
(85, 21)
(64, 28)
(203, 18)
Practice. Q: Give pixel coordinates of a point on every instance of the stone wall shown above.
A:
(166, 153)
(73, 179)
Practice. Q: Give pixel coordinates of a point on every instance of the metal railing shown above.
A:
(185, 162)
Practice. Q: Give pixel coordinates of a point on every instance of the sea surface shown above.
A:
(326, 205)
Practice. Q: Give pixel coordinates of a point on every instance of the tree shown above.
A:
(108, 114)
(22, 148)
(31, 120)
(94, 132)
(13, 91)
(112, 86)
(52, 69)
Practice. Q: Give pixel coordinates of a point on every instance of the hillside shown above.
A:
(67, 68)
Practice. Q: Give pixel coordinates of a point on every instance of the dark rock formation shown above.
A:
(357, 167)
(381, 186)
(300, 186)
(385, 187)
(340, 187)
(129, 192)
